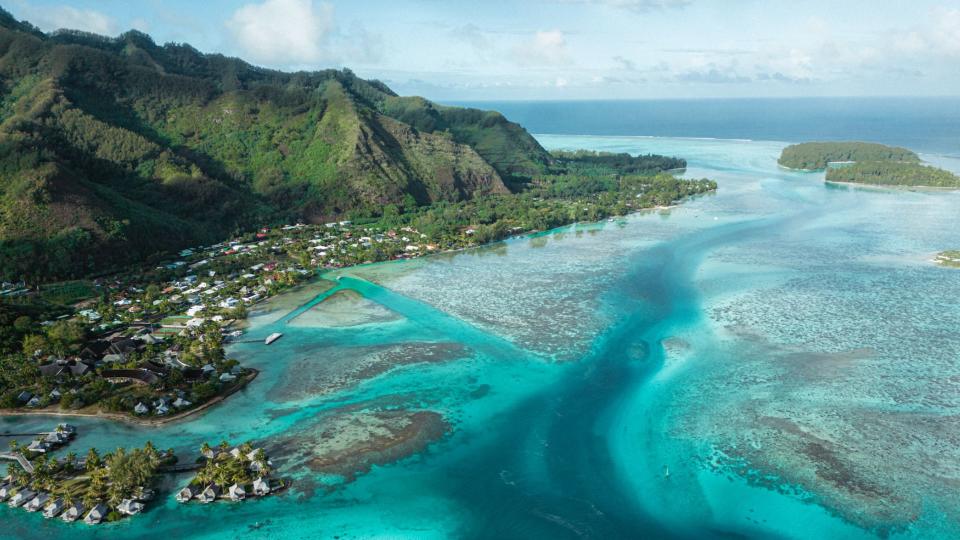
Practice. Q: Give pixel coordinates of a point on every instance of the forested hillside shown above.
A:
(115, 149)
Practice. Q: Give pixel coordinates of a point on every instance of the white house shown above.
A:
(37, 502)
(130, 507)
(96, 514)
(21, 498)
(261, 487)
(72, 513)
(53, 509)
(237, 493)
(209, 494)
(187, 493)
(181, 403)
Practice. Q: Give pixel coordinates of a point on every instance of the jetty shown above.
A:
(19, 458)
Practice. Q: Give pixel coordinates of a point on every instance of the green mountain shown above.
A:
(115, 149)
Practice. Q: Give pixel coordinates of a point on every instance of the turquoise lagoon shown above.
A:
(777, 360)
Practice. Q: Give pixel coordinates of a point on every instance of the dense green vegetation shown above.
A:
(590, 162)
(118, 149)
(892, 173)
(224, 468)
(818, 155)
(109, 479)
(115, 150)
(866, 163)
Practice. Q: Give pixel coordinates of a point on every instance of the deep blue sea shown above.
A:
(930, 125)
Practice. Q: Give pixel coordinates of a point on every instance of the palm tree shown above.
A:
(206, 450)
(70, 461)
(93, 460)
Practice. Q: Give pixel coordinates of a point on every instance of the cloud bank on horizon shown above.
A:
(563, 49)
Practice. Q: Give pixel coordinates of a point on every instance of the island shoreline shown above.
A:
(133, 420)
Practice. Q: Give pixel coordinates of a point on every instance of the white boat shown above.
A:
(272, 337)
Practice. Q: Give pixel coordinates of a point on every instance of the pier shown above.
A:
(18, 457)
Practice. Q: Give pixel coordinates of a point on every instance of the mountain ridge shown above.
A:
(116, 149)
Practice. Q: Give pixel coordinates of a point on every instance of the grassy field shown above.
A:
(67, 292)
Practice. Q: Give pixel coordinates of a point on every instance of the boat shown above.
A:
(666, 471)
(272, 337)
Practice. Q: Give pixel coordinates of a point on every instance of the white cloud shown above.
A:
(300, 34)
(59, 17)
(283, 32)
(544, 48)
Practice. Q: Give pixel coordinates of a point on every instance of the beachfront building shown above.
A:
(130, 507)
(261, 487)
(187, 493)
(21, 498)
(96, 514)
(237, 493)
(72, 513)
(53, 508)
(209, 494)
(37, 502)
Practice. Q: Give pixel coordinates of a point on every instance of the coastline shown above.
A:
(330, 274)
(120, 417)
(923, 189)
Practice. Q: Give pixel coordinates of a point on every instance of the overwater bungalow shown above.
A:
(72, 513)
(38, 446)
(96, 514)
(53, 508)
(6, 490)
(130, 507)
(261, 487)
(187, 493)
(37, 502)
(21, 498)
(237, 493)
(209, 494)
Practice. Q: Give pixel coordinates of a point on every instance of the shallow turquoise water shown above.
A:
(783, 348)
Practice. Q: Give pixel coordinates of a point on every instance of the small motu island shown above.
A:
(949, 258)
(866, 163)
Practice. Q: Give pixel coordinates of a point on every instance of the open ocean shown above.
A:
(930, 125)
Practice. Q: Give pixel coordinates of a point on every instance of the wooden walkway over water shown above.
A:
(18, 457)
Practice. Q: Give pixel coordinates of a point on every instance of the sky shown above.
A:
(563, 49)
